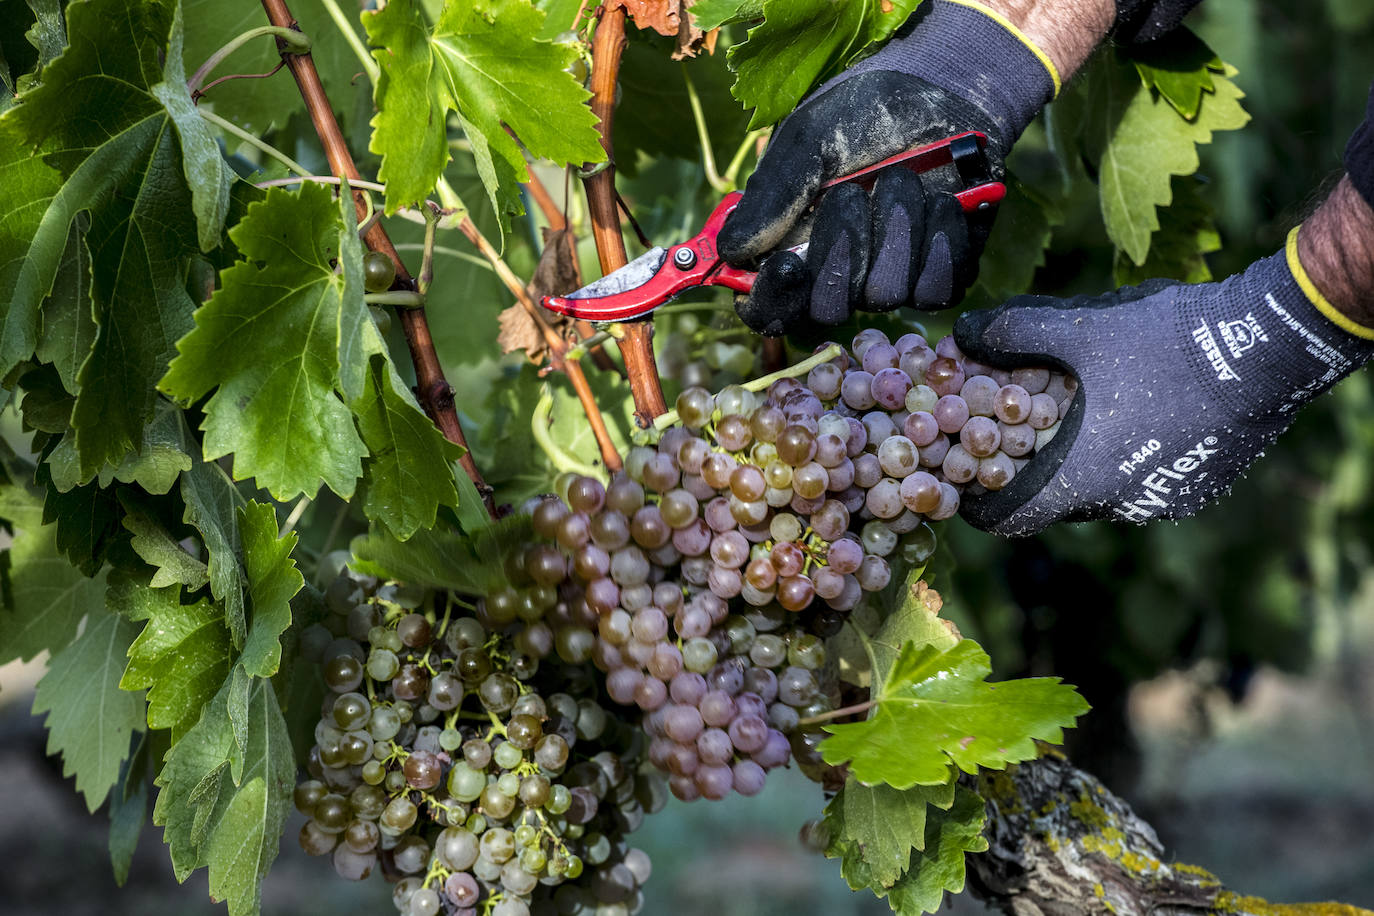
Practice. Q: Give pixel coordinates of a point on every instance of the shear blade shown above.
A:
(634, 274)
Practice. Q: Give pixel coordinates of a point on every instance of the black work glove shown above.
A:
(907, 242)
(1180, 388)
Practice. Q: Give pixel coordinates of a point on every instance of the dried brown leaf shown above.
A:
(557, 274)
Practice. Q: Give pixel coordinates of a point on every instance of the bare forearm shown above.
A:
(1066, 30)
(1336, 248)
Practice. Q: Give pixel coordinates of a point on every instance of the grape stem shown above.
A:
(403, 298)
(432, 389)
(262, 146)
(637, 346)
(290, 41)
(540, 418)
(359, 49)
(837, 713)
(557, 346)
(761, 384)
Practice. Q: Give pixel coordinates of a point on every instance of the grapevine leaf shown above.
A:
(484, 62)
(935, 708)
(46, 406)
(472, 512)
(48, 595)
(163, 457)
(272, 581)
(90, 719)
(443, 558)
(940, 866)
(916, 621)
(87, 521)
(99, 122)
(790, 50)
(1177, 250)
(267, 343)
(712, 14)
(1179, 66)
(404, 488)
(1017, 244)
(212, 505)
(209, 820)
(128, 811)
(1140, 143)
(801, 42)
(181, 656)
(405, 472)
(68, 323)
(240, 686)
(173, 565)
(874, 830)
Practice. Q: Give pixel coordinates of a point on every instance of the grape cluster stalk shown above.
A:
(491, 752)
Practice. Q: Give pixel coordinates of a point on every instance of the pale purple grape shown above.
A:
(865, 339)
(1012, 404)
(856, 390)
(687, 688)
(933, 455)
(718, 516)
(959, 466)
(749, 703)
(908, 340)
(728, 676)
(714, 747)
(694, 539)
(916, 361)
(980, 436)
(762, 683)
(622, 683)
(947, 348)
(717, 708)
(890, 386)
(1033, 381)
(725, 583)
(979, 392)
(881, 355)
(827, 582)
(1044, 411)
(1018, 439)
(878, 425)
(921, 492)
(748, 733)
(951, 413)
(682, 723)
(692, 623)
(867, 471)
(921, 427)
(730, 549)
(996, 471)
(858, 437)
(683, 760)
(715, 782)
(874, 574)
(844, 556)
(775, 751)
(684, 788)
(885, 498)
(830, 450)
(651, 694)
(949, 503)
(841, 476)
(747, 777)
(825, 381)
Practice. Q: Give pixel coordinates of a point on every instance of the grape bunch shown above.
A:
(466, 744)
(443, 756)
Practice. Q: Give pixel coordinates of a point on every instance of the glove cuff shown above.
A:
(1314, 295)
(977, 54)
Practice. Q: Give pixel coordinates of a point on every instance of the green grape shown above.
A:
(378, 272)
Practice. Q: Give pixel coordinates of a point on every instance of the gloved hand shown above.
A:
(908, 243)
(1180, 388)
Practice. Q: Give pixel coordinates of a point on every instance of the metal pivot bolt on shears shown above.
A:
(658, 275)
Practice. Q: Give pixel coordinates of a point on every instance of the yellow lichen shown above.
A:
(1206, 878)
(1230, 902)
(1087, 811)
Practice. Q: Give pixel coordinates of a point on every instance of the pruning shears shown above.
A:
(660, 274)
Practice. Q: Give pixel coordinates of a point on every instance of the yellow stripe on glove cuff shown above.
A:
(1020, 36)
(1314, 295)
